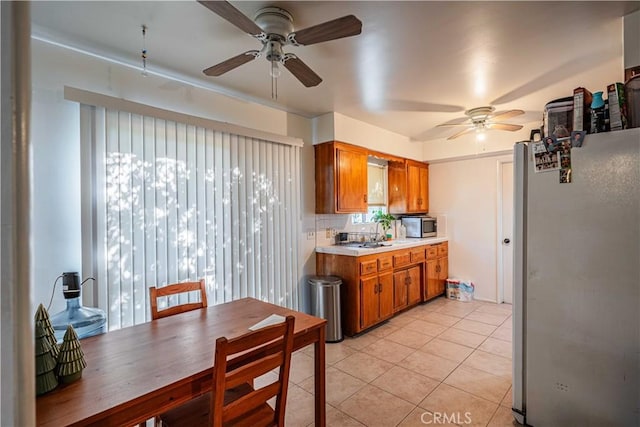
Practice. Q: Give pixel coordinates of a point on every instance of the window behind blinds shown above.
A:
(174, 202)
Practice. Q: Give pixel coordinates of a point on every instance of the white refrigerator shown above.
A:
(576, 334)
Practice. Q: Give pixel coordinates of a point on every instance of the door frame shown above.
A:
(499, 231)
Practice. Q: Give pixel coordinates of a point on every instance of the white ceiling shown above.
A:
(411, 60)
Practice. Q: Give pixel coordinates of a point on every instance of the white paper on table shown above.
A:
(271, 320)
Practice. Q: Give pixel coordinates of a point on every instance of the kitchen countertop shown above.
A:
(392, 246)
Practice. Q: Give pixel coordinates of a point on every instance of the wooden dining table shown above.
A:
(135, 373)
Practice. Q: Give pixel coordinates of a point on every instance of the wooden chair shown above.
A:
(237, 362)
(173, 289)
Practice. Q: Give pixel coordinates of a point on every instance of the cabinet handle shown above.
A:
(407, 280)
(375, 289)
(365, 198)
(379, 288)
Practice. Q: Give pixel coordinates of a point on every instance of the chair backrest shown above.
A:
(173, 289)
(256, 353)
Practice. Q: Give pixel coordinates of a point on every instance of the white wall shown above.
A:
(496, 142)
(303, 128)
(466, 191)
(56, 145)
(338, 127)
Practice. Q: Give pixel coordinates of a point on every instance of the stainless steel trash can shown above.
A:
(325, 303)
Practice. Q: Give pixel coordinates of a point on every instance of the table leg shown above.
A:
(320, 396)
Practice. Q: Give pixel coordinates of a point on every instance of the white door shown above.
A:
(506, 242)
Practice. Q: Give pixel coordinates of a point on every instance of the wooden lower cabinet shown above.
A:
(375, 287)
(437, 270)
(407, 287)
(377, 299)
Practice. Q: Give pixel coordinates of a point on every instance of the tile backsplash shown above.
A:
(342, 222)
(338, 223)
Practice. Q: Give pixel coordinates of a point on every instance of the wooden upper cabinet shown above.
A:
(408, 187)
(397, 188)
(351, 185)
(417, 187)
(341, 178)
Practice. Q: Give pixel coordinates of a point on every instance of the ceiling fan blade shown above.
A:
(301, 71)
(506, 115)
(462, 132)
(231, 63)
(504, 126)
(233, 15)
(346, 26)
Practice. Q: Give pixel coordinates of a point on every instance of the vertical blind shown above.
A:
(178, 202)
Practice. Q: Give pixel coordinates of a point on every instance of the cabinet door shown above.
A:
(351, 181)
(413, 188)
(424, 189)
(385, 293)
(432, 282)
(413, 285)
(369, 306)
(400, 283)
(417, 188)
(397, 179)
(443, 273)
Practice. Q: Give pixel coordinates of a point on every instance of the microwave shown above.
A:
(420, 226)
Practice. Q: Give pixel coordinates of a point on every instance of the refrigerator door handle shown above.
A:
(520, 175)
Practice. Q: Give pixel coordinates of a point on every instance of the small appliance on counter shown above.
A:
(86, 321)
(420, 226)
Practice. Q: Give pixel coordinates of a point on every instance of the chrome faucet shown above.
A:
(376, 237)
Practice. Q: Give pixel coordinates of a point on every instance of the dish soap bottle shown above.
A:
(402, 232)
(597, 113)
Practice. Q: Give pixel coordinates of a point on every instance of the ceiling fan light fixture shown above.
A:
(275, 70)
(275, 56)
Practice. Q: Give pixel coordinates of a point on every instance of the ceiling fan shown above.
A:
(273, 27)
(482, 118)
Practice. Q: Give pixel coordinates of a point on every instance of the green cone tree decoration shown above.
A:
(71, 358)
(46, 379)
(42, 317)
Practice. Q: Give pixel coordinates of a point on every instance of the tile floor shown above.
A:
(441, 363)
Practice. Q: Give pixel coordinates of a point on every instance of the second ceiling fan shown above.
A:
(482, 118)
(273, 27)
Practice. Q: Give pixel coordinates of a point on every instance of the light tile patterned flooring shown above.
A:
(441, 363)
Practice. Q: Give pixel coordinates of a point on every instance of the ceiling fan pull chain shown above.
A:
(144, 50)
